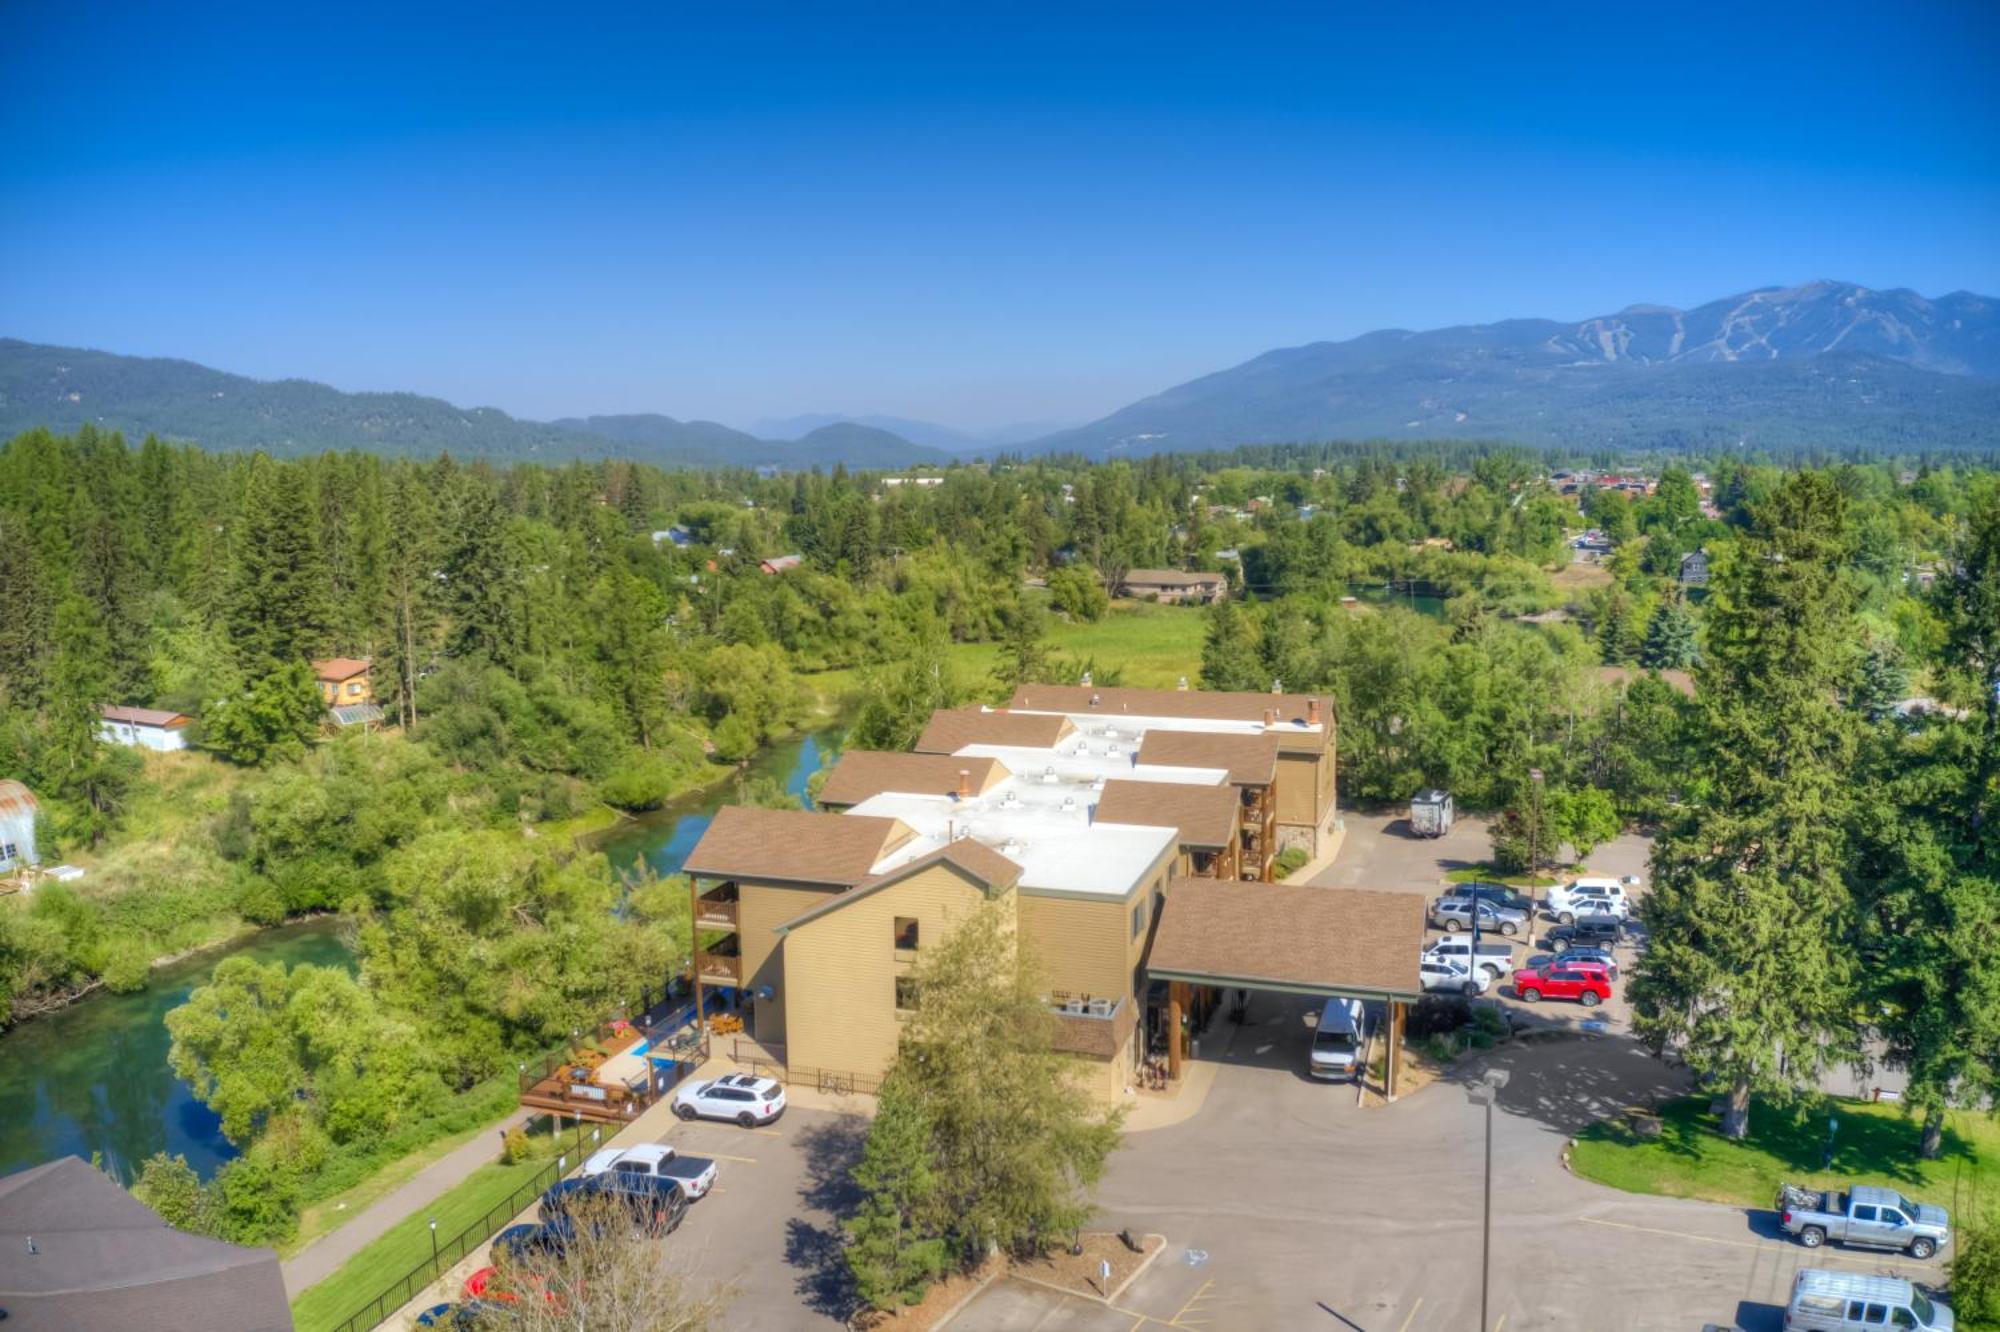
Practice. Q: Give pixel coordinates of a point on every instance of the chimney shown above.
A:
(1312, 712)
(964, 784)
(1270, 717)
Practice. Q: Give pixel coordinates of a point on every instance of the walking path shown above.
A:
(324, 1256)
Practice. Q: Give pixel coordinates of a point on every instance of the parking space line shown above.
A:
(1179, 1318)
(724, 1156)
(1762, 1246)
(1502, 1323)
(1412, 1315)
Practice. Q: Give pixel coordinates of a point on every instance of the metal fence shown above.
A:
(448, 1251)
(835, 1082)
(687, 1056)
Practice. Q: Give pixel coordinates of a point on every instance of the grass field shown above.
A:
(408, 1242)
(1153, 646)
(1875, 1144)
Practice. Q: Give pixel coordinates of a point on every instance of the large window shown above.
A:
(906, 934)
(1139, 918)
(906, 994)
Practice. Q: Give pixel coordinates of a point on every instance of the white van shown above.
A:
(1825, 1301)
(1336, 1047)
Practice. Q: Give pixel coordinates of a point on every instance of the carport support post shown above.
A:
(1177, 1003)
(1392, 1063)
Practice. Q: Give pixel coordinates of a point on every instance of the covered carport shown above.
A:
(1322, 942)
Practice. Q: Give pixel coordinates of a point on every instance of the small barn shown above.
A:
(18, 809)
(1694, 569)
(142, 728)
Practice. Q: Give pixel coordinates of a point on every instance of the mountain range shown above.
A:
(1826, 365)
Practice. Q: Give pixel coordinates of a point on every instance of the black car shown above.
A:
(1499, 894)
(1600, 931)
(531, 1241)
(655, 1203)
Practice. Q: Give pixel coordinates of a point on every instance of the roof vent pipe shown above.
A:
(1086, 679)
(1183, 684)
(964, 783)
(1095, 700)
(1312, 712)
(1277, 685)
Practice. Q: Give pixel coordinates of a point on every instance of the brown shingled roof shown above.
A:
(1205, 704)
(1252, 760)
(862, 773)
(1173, 578)
(793, 845)
(1233, 933)
(118, 712)
(1099, 1038)
(337, 669)
(975, 859)
(1205, 815)
(952, 729)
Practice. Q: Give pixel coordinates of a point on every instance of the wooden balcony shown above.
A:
(719, 968)
(715, 913)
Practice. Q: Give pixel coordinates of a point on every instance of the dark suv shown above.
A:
(1600, 930)
(655, 1203)
(1494, 894)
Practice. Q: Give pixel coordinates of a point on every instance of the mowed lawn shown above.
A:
(1874, 1144)
(1151, 646)
(408, 1243)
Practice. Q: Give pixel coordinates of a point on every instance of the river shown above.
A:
(663, 838)
(93, 1077)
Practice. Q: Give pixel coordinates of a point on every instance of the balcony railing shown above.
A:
(719, 968)
(715, 913)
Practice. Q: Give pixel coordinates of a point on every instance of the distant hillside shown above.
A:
(64, 387)
(1826, 364)
(927, 433)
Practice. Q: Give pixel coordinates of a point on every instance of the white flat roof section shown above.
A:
(1077, 765)
(1045, 828)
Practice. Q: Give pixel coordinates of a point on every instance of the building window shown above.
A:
(1139, 918)
(906, 934)
(8, 851)
(906, 994)
(354, 689)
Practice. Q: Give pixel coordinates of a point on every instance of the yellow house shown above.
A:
(343, 681)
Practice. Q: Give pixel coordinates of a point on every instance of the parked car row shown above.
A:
(651, 1185)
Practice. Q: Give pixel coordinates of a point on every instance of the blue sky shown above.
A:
(971, 214)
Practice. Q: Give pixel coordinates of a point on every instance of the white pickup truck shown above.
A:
(1495, 958)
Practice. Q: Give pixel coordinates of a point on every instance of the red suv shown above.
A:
(1586, 982)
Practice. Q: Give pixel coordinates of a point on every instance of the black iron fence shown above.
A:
(687, 1055)
(836, 1082)
(448, 1251)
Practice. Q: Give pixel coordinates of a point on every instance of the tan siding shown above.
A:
(1080, 946)
(1298, 789)
(764, 907)
(841, 968)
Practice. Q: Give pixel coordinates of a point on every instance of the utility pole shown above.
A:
(1534, 847)
(1485, 1093)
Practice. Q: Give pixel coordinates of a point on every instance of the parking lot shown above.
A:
(769, 1227)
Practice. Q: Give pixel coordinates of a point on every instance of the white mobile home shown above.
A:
(17, 827)
(142, 728)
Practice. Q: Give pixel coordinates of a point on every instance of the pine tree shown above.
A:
(1670, 639)
(1229, 657)
(1750, 887)
(896, 1246)
(25, 623)
(476, 577)
(277, 611)
(1882, 681)
(406, 612)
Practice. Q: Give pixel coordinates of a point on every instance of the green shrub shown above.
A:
(1291, 860)
(1975, 1273)
(641, 781)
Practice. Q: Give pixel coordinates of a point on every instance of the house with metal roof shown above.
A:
(142, 728)
(18, 811)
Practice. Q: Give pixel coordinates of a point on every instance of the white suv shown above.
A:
(1590, 897)
(1495, 959)
(1441, 974)
(747, 1099)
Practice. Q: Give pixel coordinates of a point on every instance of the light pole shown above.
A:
(1534, 848)
(434, 1244)
(1486, 1093)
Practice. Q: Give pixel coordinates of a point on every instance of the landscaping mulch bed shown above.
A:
(938, 1301)
(1078, 1272)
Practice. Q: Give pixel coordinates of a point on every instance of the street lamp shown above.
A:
(1486, 1093)
(434, 1244)
(1534, 847)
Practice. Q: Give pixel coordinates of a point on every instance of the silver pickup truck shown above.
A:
(1871, 1217)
